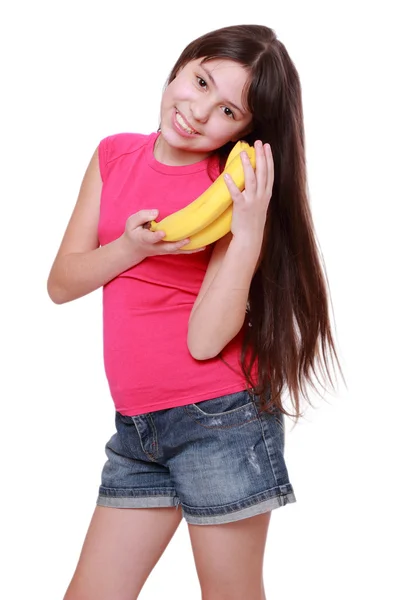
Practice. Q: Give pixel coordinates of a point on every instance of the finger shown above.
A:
(181, 248)
(152, 237)
(234, 191)
(250, 181)
(270, 169)
(261, 165)
(190, 251)
(172, 247)
(142, 217)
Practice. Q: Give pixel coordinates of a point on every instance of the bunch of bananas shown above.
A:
(209, 217)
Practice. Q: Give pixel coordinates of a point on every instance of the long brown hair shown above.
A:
(287, 330)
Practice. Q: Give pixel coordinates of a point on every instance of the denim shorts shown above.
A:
(220, 460)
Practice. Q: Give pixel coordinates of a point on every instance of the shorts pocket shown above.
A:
(275, 415)
(231, 410)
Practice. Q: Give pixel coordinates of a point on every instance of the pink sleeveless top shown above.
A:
(146, 309)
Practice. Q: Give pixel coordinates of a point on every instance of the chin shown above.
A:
(173, 139)
(170, 138)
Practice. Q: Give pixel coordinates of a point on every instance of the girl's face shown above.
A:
(201, 110)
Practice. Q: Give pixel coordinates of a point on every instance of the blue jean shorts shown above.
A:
(220, 460)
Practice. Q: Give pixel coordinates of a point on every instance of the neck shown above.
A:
(175, 157)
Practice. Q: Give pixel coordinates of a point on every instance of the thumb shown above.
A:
(142, 217)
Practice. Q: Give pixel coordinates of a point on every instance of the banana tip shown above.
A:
(153, 225)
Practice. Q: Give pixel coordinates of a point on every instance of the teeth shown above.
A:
(183, 124)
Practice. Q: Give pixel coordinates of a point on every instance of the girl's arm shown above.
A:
(78, 273)
(219, 311)
(81, 266)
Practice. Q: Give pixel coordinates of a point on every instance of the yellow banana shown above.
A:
(237, 149)
(213, 232)
(222, 224)
(203, 211)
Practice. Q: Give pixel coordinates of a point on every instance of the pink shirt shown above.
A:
(146, 309)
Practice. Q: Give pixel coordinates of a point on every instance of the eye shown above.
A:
(202, 83)
(228, 112)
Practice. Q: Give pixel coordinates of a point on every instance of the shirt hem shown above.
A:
(154, 407)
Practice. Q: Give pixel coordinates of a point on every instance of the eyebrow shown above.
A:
(213, 82)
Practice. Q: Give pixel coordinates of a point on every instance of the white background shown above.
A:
(75, 72)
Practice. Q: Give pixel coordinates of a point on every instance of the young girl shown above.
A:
(199, 346)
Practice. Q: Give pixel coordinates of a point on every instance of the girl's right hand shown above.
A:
(149, 243)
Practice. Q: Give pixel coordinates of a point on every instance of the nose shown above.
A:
(200, 110)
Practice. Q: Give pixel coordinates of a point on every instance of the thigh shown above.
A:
(229, 558)
(230, 463)
(132, 477)
(120, 550)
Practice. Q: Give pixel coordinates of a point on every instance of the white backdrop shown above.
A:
(75, 72)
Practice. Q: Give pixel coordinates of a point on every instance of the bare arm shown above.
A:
(81, 265)
(219, 311)
(77, 274)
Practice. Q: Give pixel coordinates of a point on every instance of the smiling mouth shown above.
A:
(184, 125)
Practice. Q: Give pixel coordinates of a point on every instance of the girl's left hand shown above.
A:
(250, 206)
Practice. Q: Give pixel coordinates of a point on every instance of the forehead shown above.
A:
(224, 69)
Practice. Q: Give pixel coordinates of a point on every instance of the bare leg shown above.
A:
(229, 558)
(121, 548)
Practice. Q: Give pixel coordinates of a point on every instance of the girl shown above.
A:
(199, 346)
